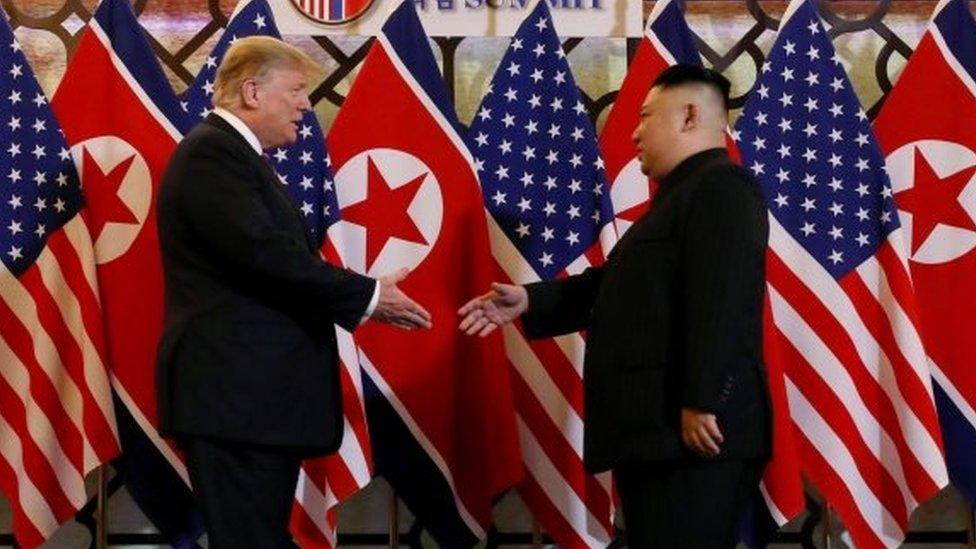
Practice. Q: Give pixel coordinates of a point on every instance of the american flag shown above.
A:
(843, 308)
(550, 215)
(304, 170)
(333, 11)
(56, 417)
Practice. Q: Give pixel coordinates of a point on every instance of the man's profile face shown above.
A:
(657, 130)
(283, 99)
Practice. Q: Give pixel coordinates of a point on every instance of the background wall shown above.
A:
(873, 38)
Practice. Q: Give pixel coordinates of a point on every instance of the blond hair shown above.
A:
(253, 57)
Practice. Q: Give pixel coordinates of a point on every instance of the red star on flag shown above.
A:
(634, 213)
(933, 200)
(384, 212)
(102, 200)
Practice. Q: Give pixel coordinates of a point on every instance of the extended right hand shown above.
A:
(503, 304)
(394, 307)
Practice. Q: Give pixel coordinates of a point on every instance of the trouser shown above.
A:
(244, 490)
(686, 504)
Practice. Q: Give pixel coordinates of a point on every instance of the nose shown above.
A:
(305, 104)
(635, 136)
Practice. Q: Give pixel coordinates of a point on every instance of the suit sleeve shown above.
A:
(722, 267)
(563, 306)
(222, 203)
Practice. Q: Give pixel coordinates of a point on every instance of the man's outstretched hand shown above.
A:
(483, 314)
(396, 308)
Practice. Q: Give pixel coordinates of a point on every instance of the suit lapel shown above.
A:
(272, 178)
(268, 173)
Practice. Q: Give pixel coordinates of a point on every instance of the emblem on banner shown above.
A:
(935, 183)
(332, 12)
(392, 211)
(118, 184)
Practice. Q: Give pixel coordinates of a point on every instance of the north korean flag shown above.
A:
(118, 110)
(667, 41)
(439, 403)
(927, 129)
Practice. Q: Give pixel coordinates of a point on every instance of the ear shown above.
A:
(249, 93)
(692, 117)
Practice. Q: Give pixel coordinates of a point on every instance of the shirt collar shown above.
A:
(241, 128)
(688, 165)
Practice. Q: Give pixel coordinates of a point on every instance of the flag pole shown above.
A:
(826, 524)
(394, 525)
(536, 535)
(101, 515)
(971, 527)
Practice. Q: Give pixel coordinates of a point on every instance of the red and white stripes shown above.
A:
(858, 385)
(325, 482)
(574, 507)
(56, 418)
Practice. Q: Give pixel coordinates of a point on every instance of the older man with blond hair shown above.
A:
(247, 369)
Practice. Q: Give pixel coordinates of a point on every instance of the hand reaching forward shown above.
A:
(503, 304)
(394, 307)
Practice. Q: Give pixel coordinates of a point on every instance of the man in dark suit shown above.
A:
(247, 373)
(675, 391)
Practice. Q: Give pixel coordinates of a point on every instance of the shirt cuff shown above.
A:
(372, 303)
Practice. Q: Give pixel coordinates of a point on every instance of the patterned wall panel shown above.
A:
(874, 37)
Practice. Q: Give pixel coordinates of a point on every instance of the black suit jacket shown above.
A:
(248, 352)
(674, 319)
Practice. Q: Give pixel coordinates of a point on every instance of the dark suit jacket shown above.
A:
(674, 319)
(248, 352)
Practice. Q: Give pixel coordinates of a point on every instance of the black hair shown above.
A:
(677, 75)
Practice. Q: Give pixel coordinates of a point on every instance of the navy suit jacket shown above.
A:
(248, 352)
(674, 320)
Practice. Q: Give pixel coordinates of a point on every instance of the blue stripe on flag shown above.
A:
(958, 29)
(405, 464)
(673, 32)
(129, 43)
(402, 29)
(959, 439)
